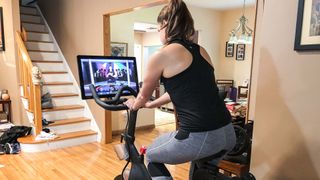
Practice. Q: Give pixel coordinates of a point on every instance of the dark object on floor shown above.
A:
(12, 148)
(46, 130)
(14, 133)
(2, 150)
(46, 123)
(46, 101)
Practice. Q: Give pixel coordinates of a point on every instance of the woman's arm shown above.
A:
(164, 99)
(152, 76)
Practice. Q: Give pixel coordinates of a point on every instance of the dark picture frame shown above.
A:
(241, 52)
(119, 49)
(307, 36)
(229, 50)
(2, 44)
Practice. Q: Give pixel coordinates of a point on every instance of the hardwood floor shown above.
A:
(89, 161)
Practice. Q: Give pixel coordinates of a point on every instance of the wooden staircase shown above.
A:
(73, 122)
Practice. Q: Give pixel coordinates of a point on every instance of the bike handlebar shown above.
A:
(115, 104)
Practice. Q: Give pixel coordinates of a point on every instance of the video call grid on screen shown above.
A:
(108, 74)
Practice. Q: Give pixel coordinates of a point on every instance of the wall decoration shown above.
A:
(308, 26)
(229, 50)
(241, 51)
(2, 45)
(119, 49)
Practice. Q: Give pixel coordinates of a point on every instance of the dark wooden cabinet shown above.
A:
(5, 111)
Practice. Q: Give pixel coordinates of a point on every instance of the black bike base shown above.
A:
(119, 177)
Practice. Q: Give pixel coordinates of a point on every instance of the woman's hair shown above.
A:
(176, 17)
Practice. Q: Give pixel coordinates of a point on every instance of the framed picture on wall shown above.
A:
(241, 51)
(2, 45)
(308, 26)
(119, 49)
(229, 50)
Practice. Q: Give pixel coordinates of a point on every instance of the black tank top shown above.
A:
(194, 94)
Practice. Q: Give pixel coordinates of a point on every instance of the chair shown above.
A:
(224, 85)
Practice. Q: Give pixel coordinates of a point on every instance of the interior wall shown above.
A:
(229, 67)
(286, 142)
(8, 60)
(209, 36)
(208, 23)
(122, 25)
(78, 28)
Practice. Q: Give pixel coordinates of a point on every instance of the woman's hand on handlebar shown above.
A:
(130, 103)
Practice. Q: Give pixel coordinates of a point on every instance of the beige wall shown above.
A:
(229, 67)
(208, 23)
(78, 29)
(122, 25)
(286, 133)
(209, 32)
(8, 59)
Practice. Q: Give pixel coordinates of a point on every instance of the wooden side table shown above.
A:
(5, 110)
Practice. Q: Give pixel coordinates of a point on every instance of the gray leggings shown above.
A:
(178, 148)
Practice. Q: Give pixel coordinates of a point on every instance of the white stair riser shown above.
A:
(70, 127)
(41, 46)
(25, 103)
(50, 66)
(58, 144)
(30, 117)
(34, 27)
(56, 77)
(35, 19)
(38, 36)
(67, 101)
(60, 89)
(21, 90)
(44, 56)
(27, 10)
(63, 114)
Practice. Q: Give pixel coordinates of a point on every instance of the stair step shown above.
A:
(46, 61)
(40, 46)
(28, 7)
(41, 32)
(61, 95)
(34, 13)
(29, 14)
(77, 134)
(55, 72)
(68, 121)
(42, 51)
(38, 41)
(30, 22)
(63, 108)
(34, 27)
(57, 83)
(28, 18)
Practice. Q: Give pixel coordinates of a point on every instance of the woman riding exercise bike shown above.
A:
(187, 73)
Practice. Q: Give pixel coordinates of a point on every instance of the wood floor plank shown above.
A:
(88, 161)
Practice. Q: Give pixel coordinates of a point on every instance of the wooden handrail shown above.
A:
(30, 83)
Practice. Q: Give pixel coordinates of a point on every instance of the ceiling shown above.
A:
(220, 4)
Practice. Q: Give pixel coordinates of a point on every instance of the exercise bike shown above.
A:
(203, 170)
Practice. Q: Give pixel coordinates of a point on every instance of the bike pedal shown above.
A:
(143, 150)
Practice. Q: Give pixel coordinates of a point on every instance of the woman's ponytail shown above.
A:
(178, 21)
